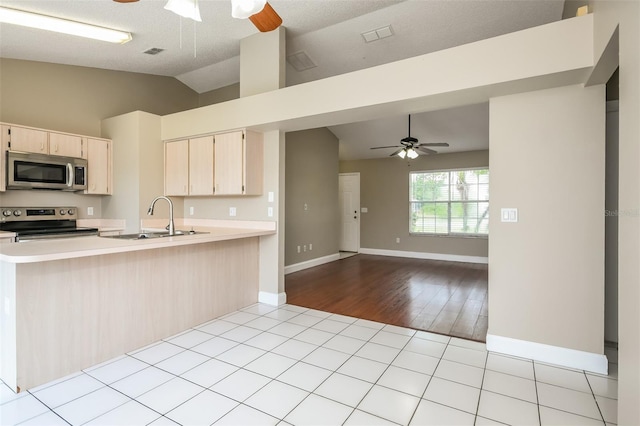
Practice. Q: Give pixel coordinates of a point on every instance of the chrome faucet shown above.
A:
(172, 227)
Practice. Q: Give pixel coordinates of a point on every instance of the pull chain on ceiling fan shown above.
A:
(409, 146)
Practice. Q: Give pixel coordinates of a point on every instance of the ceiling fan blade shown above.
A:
(396, 152)
(267, 19)
(434, 144)
(380, 147)
(425, 150)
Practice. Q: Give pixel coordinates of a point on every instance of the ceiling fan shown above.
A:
(259, 12)
(409, 146)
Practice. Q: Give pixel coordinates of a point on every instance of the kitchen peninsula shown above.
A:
(68, 304)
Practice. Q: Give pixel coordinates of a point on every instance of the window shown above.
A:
(449, 202)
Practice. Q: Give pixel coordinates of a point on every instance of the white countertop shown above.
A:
(66, 248)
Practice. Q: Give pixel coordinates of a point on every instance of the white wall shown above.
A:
(546, 272)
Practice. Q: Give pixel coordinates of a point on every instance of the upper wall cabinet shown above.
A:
(201, 154)
(99, 166)
(65, 145)
(238, 163)
(221, 164)
(28, 140)
(176, 168)
(189, 167)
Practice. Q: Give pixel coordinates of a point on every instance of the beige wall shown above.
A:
(75, 99)
(625, 15)
(312, 179)
(384, 191)
(546, 272)
(222, 94)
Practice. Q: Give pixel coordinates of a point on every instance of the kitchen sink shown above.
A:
(149, 235)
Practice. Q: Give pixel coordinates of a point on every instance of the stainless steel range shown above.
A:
(34, 223)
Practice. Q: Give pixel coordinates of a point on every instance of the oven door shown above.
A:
(38, 171)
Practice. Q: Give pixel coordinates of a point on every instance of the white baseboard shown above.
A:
(565, 357)
(274, 299)
(422, 255)
(311, 263)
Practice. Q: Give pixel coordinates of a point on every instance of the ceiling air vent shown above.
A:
(153, 51)
(301, 61)
(377, 34)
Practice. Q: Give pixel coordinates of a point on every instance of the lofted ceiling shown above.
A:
(205, 56)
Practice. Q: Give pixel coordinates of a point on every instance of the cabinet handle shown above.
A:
(55, 148)
(41, 146)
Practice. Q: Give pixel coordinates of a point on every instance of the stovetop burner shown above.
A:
(30, 223)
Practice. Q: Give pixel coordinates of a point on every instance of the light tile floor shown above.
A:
(290, 365)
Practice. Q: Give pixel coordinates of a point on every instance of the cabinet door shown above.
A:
(29, 140)
(4, 146)
(176, 168)
(229, 163)
(65, 145)
(99, 167)
(201, 166)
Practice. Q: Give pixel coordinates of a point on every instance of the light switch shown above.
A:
(509, 215)
(270, 197)
(270, 211)
(232, 211)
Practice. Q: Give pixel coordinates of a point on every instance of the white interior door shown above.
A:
(349, 189)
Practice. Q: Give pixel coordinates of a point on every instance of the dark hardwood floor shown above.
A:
(442, 297)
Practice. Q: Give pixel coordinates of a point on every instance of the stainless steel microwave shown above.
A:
(27, 170)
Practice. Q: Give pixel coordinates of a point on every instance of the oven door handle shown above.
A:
(69, 175)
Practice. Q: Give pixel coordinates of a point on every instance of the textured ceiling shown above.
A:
(205, 56)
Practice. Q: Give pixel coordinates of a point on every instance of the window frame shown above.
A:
(448, 203)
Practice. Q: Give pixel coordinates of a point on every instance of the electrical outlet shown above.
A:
(304, 247)
(191, 210)
(310, 246)
(89, 211)
(270, 197)
(232, 211)
(398, 240)
(270, 211)
(298, 249)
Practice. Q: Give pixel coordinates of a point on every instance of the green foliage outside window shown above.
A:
(449, 202)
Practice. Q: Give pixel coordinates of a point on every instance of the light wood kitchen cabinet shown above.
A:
(65, 145)
(238, 163)
(4, 146)
(99, 166)
(222, 164)
(176, 168)
(28, 140)
(201, 160)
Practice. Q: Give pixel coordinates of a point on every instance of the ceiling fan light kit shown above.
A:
(409, 146)
(64, 26)
(185, 8)
(243, 9)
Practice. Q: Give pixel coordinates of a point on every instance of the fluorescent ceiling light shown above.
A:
(185, 8)
(49, 23)
(242, 9)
